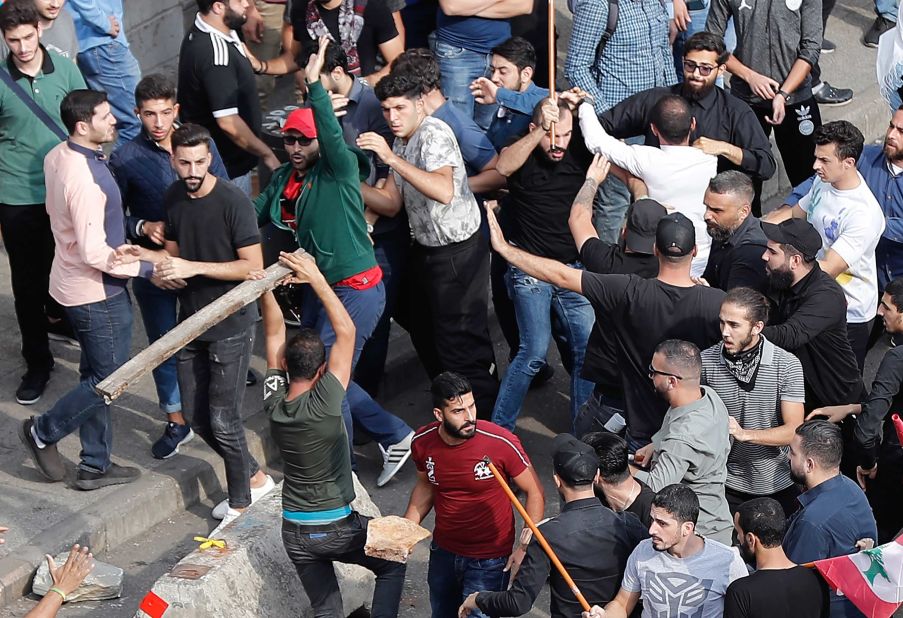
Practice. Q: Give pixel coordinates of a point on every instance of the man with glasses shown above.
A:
(693, 444)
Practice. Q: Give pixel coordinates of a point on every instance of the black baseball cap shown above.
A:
(798, 233)
(675, 235)
(575, 462)
(642, 221)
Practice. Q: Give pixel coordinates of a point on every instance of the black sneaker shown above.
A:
(173, 437)
(879, 27)
(47, 459)
(251, 378)
(32, 386)
(828, 47)
(829, 95)
(87, 480)
(61, 330)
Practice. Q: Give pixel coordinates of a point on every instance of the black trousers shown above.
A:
(29, 246)
(859, 335)
(448, 304)
(794, 136)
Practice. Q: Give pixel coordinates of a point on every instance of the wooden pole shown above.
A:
(539, 537)
(173, 341)
(552, 59)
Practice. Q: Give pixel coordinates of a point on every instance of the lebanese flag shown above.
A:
(872, 579)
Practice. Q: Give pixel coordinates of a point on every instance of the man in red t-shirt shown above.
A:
(474, 531)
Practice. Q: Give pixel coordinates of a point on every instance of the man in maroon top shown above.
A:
(474, 530)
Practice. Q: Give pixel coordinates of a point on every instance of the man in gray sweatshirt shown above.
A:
(693, 444)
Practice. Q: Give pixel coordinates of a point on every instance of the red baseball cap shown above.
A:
(302, 121)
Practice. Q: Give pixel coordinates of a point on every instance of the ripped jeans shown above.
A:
(212, 378)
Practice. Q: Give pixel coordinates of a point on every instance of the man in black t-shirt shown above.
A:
(211, 232)
(778, 587)
(640, 312)
(217, 89)
(543, 179)
(616, 486)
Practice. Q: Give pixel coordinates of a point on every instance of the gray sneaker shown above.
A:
(88, 480)
(47, 459)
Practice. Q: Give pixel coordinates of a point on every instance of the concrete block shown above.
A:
(103, 582)
(252, 576)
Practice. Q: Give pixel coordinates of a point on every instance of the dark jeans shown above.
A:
(502, 303)
(313, 549)
(449, 322)
(160, 313)
(212, 378)
(452, 578)
(104, 330)
(29, 247)
(858, 335)
(794, 137)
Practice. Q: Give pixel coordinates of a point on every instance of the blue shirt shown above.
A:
(476, 149)
(832, 517)
(515, 112)
(92, 22)
(476, 34)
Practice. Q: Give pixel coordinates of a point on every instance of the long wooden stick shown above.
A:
(173, 341)
(539, 537)
(552, 60)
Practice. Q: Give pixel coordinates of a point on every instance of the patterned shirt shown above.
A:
(431, 147)
(637, 56)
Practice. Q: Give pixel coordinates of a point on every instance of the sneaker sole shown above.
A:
(840, 104)
(31, 446)
(871, 45)
(103, 482)
(28, 402)
(175, 451)
(382, 481)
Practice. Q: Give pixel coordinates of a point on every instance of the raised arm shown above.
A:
(274, 330)
(490, 9)
(581, 218)
(514, 156)
(436, 185)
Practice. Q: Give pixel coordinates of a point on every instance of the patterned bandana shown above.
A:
(744, 366)
(351, 23)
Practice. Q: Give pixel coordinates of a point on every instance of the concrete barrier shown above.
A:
(253, 576)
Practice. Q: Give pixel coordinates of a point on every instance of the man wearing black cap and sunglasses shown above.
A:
(809, 314)
(591, 541)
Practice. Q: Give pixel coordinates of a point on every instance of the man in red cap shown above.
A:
(317, 196)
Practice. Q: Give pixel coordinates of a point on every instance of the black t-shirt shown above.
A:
(379, 28)
(799, 592)
(216, 80)
(211, 229)
(641, 507)
(641, 313)
(540, 195)
(600, 362)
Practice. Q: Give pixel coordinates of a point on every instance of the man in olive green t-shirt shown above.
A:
(302, 395)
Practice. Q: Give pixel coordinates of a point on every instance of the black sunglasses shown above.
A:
(704, 69)
(291, 140)
(653, 371)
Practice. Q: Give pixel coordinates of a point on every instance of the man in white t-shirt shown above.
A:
(676, 175)
(676, 571)
(850, 222)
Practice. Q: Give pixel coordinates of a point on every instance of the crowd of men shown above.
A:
(720, 428)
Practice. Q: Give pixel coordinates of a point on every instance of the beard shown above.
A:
(718, 233)
(780, 279)
(748, 556)
(696, 91)
(193, 184)
(797, 478)
(234, 20)
(460, 432)
(893, 154)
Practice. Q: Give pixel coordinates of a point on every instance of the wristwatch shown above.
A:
(784, 94)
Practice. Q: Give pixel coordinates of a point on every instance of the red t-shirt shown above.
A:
(474, 517)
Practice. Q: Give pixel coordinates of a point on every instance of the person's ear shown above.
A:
(437, 413)
(758, 327)
(526, 74)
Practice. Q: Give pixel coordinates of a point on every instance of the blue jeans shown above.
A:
(113, 69)
(243, 182)
(458, 68)
(887, 9)
(452, 577)
(610, 206)
(104, 330)
(358, 409)
(540, 308)
(159, 312)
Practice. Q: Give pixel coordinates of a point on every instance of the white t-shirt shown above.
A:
(850, 222)
(693, 586)
(675, 176)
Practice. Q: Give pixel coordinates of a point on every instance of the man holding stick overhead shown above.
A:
(474, 531)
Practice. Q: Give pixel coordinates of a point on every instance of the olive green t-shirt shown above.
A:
(311, 436)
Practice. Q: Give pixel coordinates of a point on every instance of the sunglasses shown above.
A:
(653, 372)
(291, 140)
(704, 69)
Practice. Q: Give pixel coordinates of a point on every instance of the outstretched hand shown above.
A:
(316, 61)
(304, 267)
(70, 576)
(495, 232)
(599, 168)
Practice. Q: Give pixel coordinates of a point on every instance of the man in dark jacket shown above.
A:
(592, 542)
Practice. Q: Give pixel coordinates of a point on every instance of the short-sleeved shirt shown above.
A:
(378, 28)
(473, 514)
(692, 586)
(642, 313)
(211, 229)
(431, 147)
(216, 80)
(851, 223)
(476, 149)
(755, 468)
(798, 591)
(310, 433)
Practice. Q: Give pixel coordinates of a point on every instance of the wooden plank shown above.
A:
(154, 355)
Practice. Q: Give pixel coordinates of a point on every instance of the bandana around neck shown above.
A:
(745, 365)
(351, 23)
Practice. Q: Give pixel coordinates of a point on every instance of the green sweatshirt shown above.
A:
(330, 209)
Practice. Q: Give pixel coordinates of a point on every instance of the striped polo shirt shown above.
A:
(754, 468)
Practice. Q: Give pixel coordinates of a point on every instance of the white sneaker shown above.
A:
(394, 458)
(230, 516)
(219, 511)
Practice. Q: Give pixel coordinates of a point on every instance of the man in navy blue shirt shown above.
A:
(834, 513)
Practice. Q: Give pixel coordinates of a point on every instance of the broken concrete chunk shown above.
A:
(393, 537)
(103, 582)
